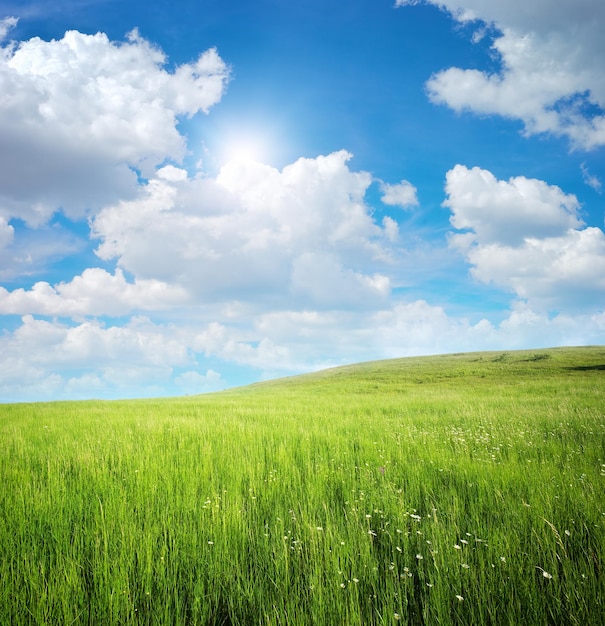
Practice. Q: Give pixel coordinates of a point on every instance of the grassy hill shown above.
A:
(461, 489)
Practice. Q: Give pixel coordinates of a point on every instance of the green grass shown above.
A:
(379, 493)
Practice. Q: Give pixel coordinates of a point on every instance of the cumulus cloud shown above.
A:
(43, 359)
(507, 211)
(403, 194)
(79, 113)
(526, 236)
(95, 292)
(304, 232)
(551, 76)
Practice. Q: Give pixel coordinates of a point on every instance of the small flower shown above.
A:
(355, 580)
(546, 574)
(459, 598)
(419, 557)
(466, 566)
(503, 559)
(397, 616)
(457, 547)
(320, 528)
(342, 585)
(210, 543)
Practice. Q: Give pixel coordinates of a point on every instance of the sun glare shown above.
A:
(245, 148)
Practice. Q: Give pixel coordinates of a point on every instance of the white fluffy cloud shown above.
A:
(507, 211)
(76, 114)
(551, 75)
(95, 292)
(43, 359)
(303, 234)
(403, 194)
(48, 359)
(526, 236)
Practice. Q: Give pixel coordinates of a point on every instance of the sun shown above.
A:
(245, 148)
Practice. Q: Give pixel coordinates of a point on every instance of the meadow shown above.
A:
(461, 489)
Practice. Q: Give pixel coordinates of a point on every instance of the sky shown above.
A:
(202, 194)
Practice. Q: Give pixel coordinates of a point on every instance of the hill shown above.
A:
(459, 489)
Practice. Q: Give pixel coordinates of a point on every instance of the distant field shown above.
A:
(462, 489)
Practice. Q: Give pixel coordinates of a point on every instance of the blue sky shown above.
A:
(202, 194)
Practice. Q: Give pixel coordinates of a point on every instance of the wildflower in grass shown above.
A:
(342, 585)
(466, 566)
(459, 598)
(457, 547)
(355, 580)
(503, 559)
(419, 557)
(319, 528)
(210, 543)
(397, 616)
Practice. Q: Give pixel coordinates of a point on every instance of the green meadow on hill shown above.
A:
(460, 489)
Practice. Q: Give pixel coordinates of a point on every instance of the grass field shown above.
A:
(463, 489)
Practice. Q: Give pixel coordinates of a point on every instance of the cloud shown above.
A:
(6, 24)
(403, 194)
(7, 234)
(507, 211)
(95, 292)
(302, 233)
(46, 359)
(592, 181)
(192, 382)
(79, 113)
(525, 235)
(551, 57)
(49, 359)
